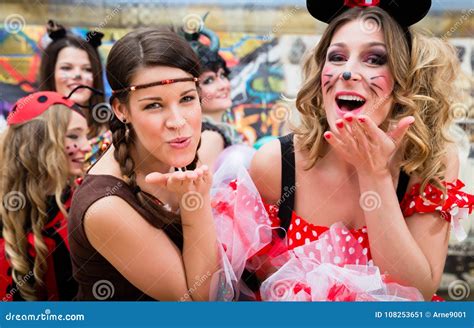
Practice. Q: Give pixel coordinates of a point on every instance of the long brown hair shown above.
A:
(137, 49)
(34, 162)
(47, 76)
(424, 69)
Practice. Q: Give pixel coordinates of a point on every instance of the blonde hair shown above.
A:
(424, 69)
(34, 163)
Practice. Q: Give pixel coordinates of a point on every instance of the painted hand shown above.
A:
(364, 145)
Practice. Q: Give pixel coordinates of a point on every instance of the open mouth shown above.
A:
(348, 103)
(78, 160)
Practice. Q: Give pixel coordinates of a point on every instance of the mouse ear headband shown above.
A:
(405, 12)
(57, 32)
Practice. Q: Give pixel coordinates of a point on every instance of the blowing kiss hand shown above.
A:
(364, 145)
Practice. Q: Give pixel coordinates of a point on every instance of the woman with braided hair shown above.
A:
(141, 219)
(42, 152)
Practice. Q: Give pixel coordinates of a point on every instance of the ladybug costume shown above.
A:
(59, 284)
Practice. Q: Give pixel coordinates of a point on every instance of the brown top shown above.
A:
(98, 279)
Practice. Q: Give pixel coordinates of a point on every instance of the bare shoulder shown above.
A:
(213, 138)
(450, 160)
(107, 213)
(112, 214)
(265, 171)
(452, 163)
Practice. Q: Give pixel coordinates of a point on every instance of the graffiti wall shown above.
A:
(265, 73)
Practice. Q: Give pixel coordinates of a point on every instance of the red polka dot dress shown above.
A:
(315, 263)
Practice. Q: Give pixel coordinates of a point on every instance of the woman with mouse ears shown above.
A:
(141, 222)
(70, 62)
(364, 193)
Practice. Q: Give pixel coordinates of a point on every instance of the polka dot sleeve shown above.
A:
(453, 206)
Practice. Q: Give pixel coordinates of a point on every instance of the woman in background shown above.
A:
(68, 62)
(215, 98)
(42, 152)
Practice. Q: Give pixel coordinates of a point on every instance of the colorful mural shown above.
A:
(265, 73)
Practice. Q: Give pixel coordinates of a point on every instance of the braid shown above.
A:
(122, 143)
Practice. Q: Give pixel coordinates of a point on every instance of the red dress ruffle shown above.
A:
(313, 263)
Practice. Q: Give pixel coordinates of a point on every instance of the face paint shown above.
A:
(74, 150)
(72, 69)
(370, 86)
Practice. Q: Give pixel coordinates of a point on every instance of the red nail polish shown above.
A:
(327, 135)
(361, 120)
(349, 119)
(340, 125)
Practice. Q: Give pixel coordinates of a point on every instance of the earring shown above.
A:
(346, 75)
(127, 130)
